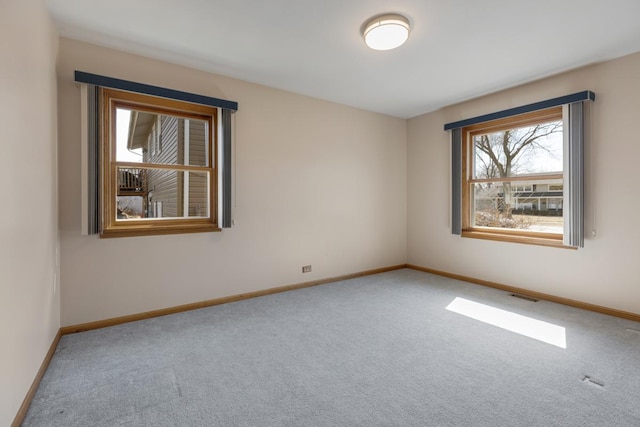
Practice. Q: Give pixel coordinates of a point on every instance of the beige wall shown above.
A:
(315, 183)
(606, 271)
(29, 306)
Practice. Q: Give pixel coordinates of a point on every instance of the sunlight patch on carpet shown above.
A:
(523, 325)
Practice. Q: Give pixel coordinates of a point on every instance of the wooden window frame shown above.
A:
(504, 234)
(111, 99)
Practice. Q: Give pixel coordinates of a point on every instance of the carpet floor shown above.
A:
(381, 350)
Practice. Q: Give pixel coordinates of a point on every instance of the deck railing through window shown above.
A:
(131, 180)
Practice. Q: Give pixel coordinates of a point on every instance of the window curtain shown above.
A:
(456, 181)
(90, 158)
(225, 220)
(573, 203)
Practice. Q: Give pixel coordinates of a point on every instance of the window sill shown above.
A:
(517, 237)
(156, 230)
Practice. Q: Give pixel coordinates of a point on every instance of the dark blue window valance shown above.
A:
(110, 82)
(554, 102)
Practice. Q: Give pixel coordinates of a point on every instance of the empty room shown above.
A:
(329, 213)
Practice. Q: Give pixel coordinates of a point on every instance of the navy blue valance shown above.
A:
(110, 82)
(554, 102)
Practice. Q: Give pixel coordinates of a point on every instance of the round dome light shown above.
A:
(386, 32)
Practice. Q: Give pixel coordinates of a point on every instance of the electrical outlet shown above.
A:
(306, 269)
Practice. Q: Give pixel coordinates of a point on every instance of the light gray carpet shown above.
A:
(374, 351)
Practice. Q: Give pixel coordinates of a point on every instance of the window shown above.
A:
(154, 160)
(503, 162)
(522, 188)
(159, 165)
(517, 175)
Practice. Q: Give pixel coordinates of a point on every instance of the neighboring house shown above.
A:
(168, 140)
(527, 198)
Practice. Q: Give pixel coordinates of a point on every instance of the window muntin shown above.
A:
(158, 165)
(509, 166)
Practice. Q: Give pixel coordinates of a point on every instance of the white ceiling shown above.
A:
(457, 50)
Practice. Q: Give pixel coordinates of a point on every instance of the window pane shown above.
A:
(196, 201)
(145, 137)
(145, 193)
(131, 207)
(518, 151)
(529, 206)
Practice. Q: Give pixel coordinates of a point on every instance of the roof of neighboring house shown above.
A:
(140, 126)
(534, 194)
(495, 192)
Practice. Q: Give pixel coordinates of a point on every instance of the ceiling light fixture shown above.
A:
(385, 32)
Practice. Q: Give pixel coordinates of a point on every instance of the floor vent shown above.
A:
(524, 297)
(587, 379)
